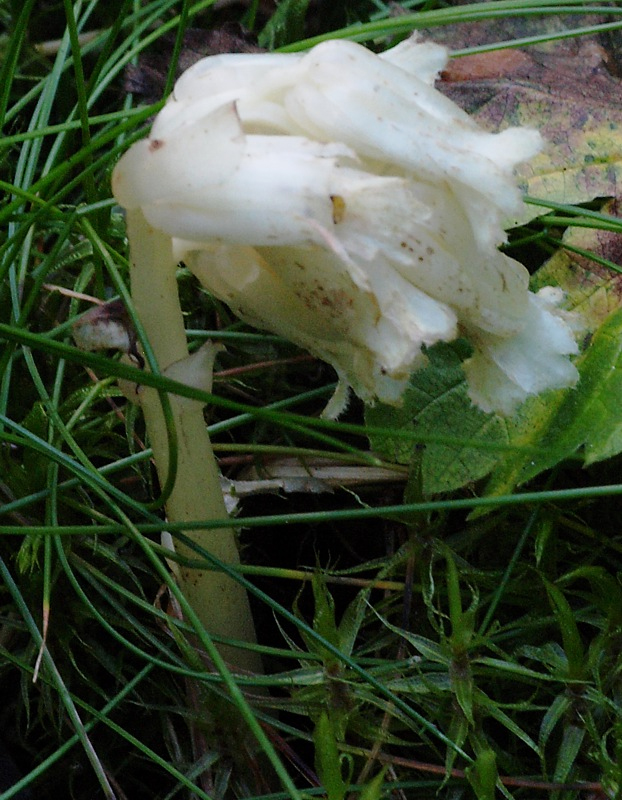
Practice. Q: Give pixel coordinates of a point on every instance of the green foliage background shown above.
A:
(454, 631)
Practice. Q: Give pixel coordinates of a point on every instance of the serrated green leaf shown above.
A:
(550, 654)
(436, 405)
(606, 592)
(461, 679)
(351, 621)
(458, 732)
(512, 668)
(462, 622)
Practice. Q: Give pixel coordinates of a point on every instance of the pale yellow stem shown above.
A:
(221, 603)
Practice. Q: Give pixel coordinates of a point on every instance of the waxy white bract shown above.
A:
(338, 199)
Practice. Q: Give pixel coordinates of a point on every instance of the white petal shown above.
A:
(261, 203)
(164, 169)
(365, 73)
(255, 82)
(235, 74)
(489, 387)
(386, 114)
(374, 336)
(424, 233)
(423, 60)
(503, 372)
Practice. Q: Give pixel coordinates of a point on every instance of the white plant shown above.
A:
(337, 198)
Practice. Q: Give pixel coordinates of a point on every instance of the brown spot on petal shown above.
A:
(156, 144)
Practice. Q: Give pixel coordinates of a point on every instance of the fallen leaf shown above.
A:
(593, 290)
(574, 102)
(485, 66)
(563, 88)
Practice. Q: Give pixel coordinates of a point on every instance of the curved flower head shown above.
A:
(338, 199)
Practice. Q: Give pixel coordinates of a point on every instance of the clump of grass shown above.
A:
(408, 646)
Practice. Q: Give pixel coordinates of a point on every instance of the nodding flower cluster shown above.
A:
(336, 198)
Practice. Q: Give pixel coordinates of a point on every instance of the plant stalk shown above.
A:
(221, 604)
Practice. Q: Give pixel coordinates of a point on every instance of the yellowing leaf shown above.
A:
(571, 99)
